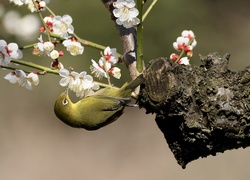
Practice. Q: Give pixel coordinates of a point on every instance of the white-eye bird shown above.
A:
(98, 110)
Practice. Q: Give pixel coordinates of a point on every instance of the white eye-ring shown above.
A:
(65, 102)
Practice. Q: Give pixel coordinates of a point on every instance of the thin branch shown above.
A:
(148, 10)
(35, 66)
(139, 56)
(44, 69)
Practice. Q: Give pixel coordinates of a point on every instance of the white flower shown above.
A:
(9, 52)
(104, 64)
(33, 78)
(17, 2)
(43, 47)
(181, 43)
(4, 56)
(88, 92)
(30, 4)
(126, 13)
(98, 70)
(48, 46)
(48, 20)
(110, 55)
(54, 54)
(67, 77)
(73, 46)
(11, 77)
(80, 83)
(13, 51)
(194, 43)
(184, 61)
(42, 5)
(185, 43)
(85, 85)
(23, 80)
(190, 35)
(62, 26)
(115, 72)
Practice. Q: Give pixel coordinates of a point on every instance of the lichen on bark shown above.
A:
(200, 110)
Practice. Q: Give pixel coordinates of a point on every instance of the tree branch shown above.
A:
(200, 110)
(128, 39)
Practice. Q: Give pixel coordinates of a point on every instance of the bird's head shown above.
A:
(63, 106)
(63, 100)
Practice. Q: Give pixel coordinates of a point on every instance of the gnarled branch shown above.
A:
(200, 110)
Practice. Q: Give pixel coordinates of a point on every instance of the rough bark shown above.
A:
(200, 110)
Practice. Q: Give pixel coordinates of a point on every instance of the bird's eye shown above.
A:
(65, 102)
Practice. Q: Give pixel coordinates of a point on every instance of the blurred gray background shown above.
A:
(35, 145)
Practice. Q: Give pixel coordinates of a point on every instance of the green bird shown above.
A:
(98, 110)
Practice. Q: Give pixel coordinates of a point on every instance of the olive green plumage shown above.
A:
(98, 110)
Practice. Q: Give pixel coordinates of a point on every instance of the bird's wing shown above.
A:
(113, 103)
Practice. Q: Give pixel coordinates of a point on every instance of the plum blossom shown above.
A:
(181, 43)
(4, 57)
(23, 80)
(62, 26)
(58, 25)
(11, 77)
(80, 83)
(40, 4)
(110, 55)
(46, 47)
(54, 54)
(184, 61)
(48, 20)
(104, 67)
(87, 92)
(67, 77)
(84, 85)
(17, 2)
(98, 70)
(8, 52)
(126, 13)
(188, 34)
(184, 43)
(43, 47)
(116, 72)
(73, 46)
